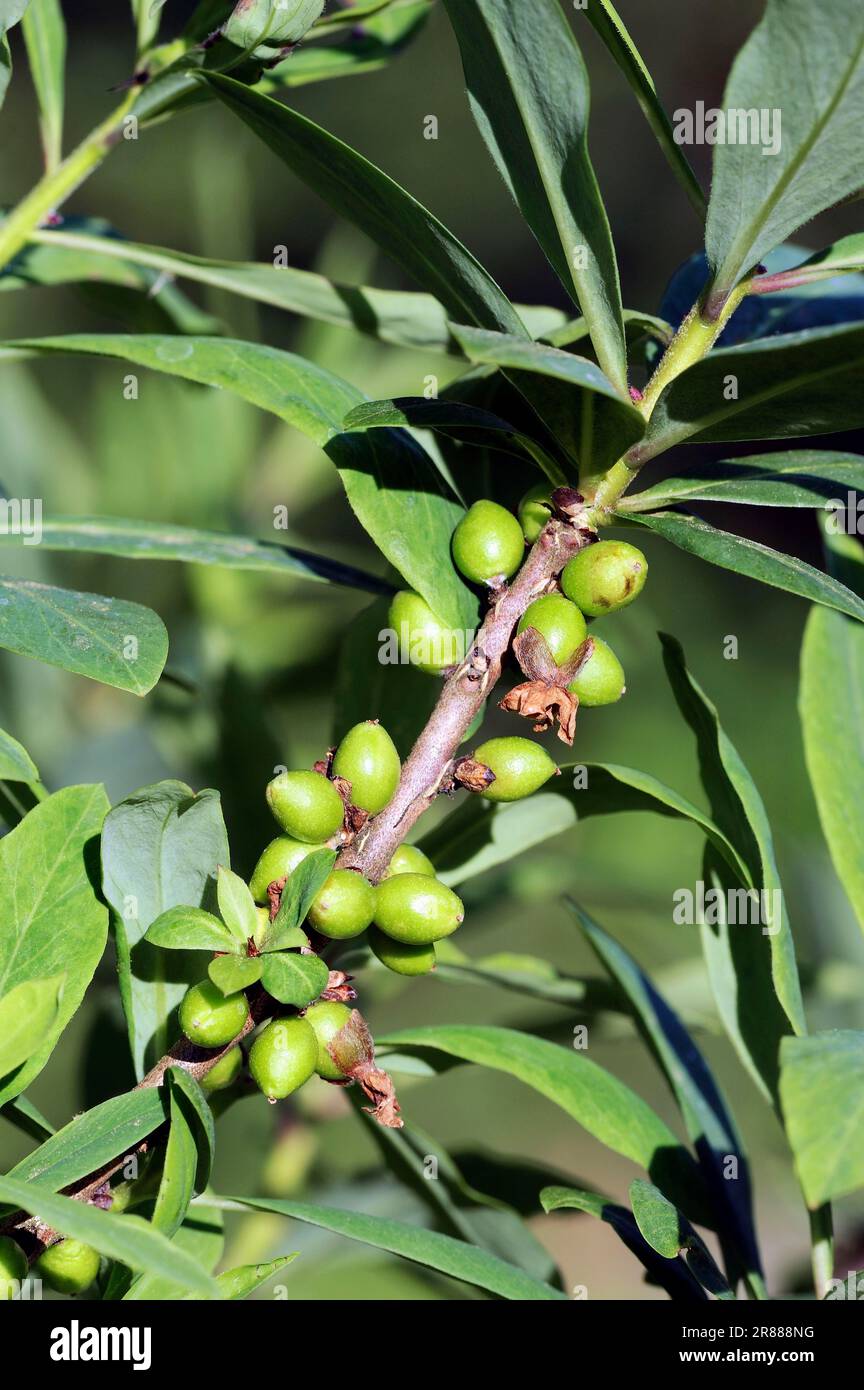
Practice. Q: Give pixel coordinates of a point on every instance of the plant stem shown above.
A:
(55, 187)
(696, 336)
(822, 1248)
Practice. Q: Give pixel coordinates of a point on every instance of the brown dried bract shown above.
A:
(339, 987)
(274, 893)
(544, 696)
(353, 1051)
(474, 776)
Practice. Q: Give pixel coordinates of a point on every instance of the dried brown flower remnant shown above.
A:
(353, 1051)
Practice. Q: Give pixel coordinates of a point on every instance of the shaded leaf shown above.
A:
(45, 37)
(93, 1139)
(236, 905)
(16, 765)
(668, 1232)
(800, 478)
(201, 1236)
(22, 1113)
(190, 929)
(299, 893)
(53, 923)
(27, 1012)
(177, 1183)
(822, 1096)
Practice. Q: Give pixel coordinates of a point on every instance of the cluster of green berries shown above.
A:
(69, 1267)
(488, 547)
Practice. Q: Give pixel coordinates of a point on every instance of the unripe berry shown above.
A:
(488, 543)
(559, 621)
(535, 510)
(424, 640)
(601, 680)
(326, 1019)
(278, 860)
(306, 805)
(69, 1266)
(344, 906)
(225, 1072)
(13, 1268)
(283, 1057)
(210, 1019)
(520, 767)
(367, 758)
(604, 577)
(408, 859)
(416, 909)
(399, 957)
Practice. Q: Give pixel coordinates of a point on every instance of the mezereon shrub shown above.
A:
(516, 504)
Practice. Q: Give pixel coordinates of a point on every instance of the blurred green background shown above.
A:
(254, 661)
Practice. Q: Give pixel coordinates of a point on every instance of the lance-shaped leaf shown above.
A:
(706, 1115)
(93, 1139)
(244, 1280)
(236, 905)
(191, 929)
(427, 1248)
(161, 848)
(822, 1095)
(53, 922)
(293, 978)
(831, 695)
(45, 36)
(530, 95)
(671, 1275)
(395, 489)
(794, 102)
(596, 1099)
(107, 639)
(11, 13)
(799, 478)
(148, 540)
(27, 1013)
(202, 1237)
(793, 385)
(614, 34)
(753, 559)
(126, 1238)
(303, 886)
(669, 1233)
(843, 257)
(754, 959)
(16, 765)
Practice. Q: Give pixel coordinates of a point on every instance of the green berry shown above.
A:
(416, 909)
(306, 805)
(424, 640)
(535, 510)
(283, 1056)
(604, 577)
(559, 621)
(520, 767)
(344, 905)
(278, 860)
(326, 1019)
(408, 859)
(210, 1019)
(13, 1268)
(399, 957)
(69, 1266)
(367, 758)
(488, 543)
(601, 680)
(225, 1072)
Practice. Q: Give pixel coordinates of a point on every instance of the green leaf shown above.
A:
(93, 1139)
(126, 1238)
(668, 1232)
(788, 386)
(243, 1280)
(233, 973)
(190, 929)
(356, 189)
(709, 1124)
(201, 1237)
(11, 13)
(530, 95)
(596, 1099)
(107, 639)
(188, 1153)
(458, 421)
(753, 971)
(843, 257)
(299, 893)
(804, 67)
(27, 1013)
(800, 478)
(236, 905)
(751, 558)
(671, 1275)
(45, 36)
(22, 1113)
(822, 1095)
(611, 30)
(529, 975)
(427, 1248)
(393, 486)
(53, 923)
(830, 701)
(160, 848)
(16, 765)
(147, 540)
(292, 978)
(147, 14)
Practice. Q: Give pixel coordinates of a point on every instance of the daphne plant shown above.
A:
(270, 980)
